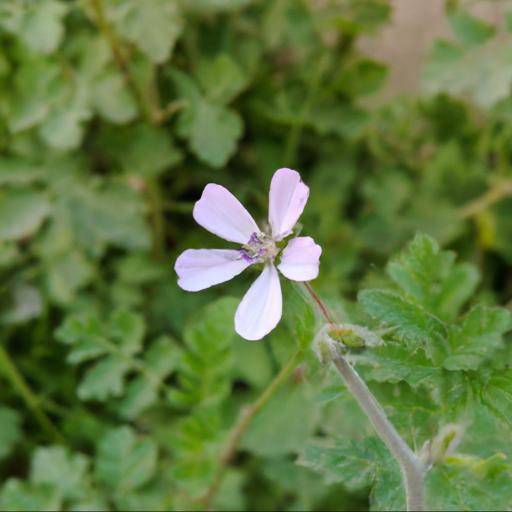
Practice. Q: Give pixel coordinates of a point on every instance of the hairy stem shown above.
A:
(411, 467)
(247, 414)
(12, 374)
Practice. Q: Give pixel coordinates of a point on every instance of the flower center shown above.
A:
(259, 248)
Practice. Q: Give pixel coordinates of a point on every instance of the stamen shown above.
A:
(245, 256)
(260, 248)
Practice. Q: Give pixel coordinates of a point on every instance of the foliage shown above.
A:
(119, 391)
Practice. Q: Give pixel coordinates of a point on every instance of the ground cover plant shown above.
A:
(122, 391)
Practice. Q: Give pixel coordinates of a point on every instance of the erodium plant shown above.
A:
(120, 390)
(261, 308)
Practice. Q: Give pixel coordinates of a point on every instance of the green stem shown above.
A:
(411, 467)
(499, 191)
(103, 24)
(247, 414)
(12, 374)
(156, 207)
(136, 364)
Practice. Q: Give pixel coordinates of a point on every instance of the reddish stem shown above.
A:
(319, 302)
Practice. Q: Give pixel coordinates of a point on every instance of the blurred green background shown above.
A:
(117, 388)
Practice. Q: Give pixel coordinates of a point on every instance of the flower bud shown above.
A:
(443, 445)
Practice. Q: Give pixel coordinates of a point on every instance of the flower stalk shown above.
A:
(236, 434)
(412, 467)
(20, 385)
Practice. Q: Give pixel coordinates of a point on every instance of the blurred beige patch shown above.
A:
(406, 41)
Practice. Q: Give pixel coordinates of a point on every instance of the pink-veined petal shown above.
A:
(198, 269)
(221, 213)
(261, 308)
(300, 259)
(287, 199)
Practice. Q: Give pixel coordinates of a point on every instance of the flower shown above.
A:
(222, 214)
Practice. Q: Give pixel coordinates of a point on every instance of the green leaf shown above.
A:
(421, 267)
(363, 77)
(67, 274)
(161, 360)
(19, 171)
(468, 29)
(218, 5)
(10, 432)
(410, 320)
(57, 468)
(112, 99)
(284, 424)
(431, 277)
(121, 338)
(34, 82)
(485, 485)
(21, 213)
(196, 443)
(477, 338)
(357, 465)
(457, 289)
(140, 394)
(108, 215)
(299, 316)
(38, 24)
(221, 78)
(139, 269)
(105, 379)
(145, 150)
(203, 371)
(395, 362)
(26, 304)
(127, 330)
(153, 26)
(496, 394)
(62, 128)
(85, 335)
(344, 121)
(162, 356)
(125, 462)
(214, 133)
(24, 497)
(484, 72)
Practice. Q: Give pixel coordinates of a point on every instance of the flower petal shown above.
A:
(221, 213)
(288, 197)
(300, 259)
(198, 269)
(261, 308)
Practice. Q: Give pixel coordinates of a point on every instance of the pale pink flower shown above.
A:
(221, 213)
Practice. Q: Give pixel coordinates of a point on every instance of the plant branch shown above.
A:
(165, 113)
(247, 414)
(18, 382)
(119, 57)
(319, 303)
(500, 190)
(411, 467)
